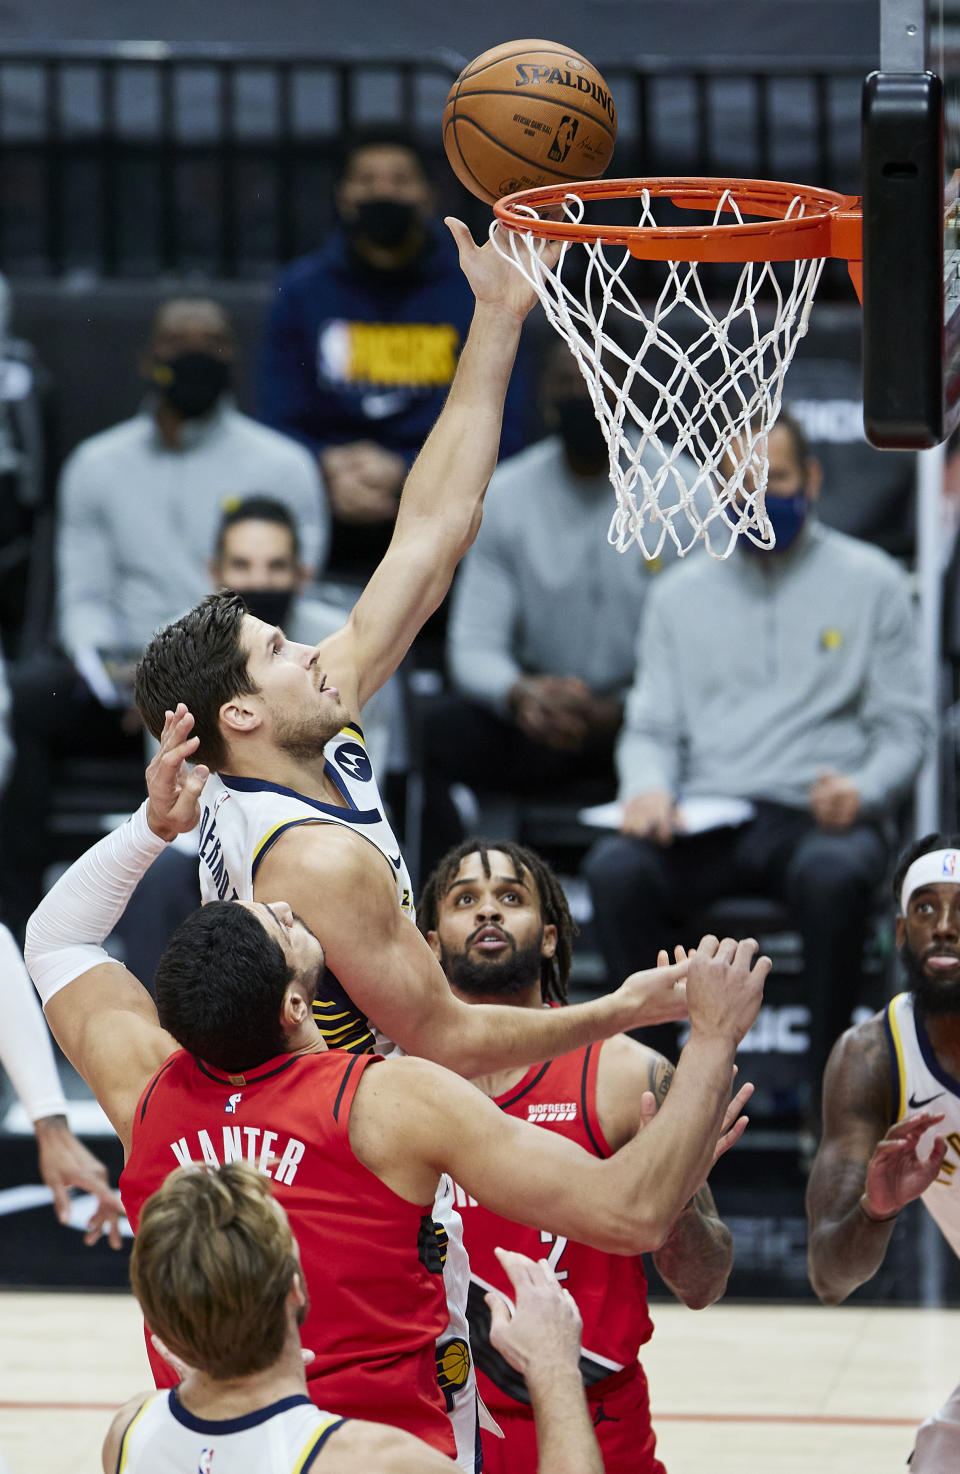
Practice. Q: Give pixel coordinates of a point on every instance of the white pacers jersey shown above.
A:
(240, 818)
(920, 1084)
(284, 1438)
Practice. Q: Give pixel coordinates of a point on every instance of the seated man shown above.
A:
(891, 1112)
(244, 1393)
(356, 1145)
(788, 681)
(363, 339)
(139, 505)
(543, 619)
(497, 919)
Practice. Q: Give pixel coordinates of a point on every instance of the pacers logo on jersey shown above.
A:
(453, 1368)
(352, 760)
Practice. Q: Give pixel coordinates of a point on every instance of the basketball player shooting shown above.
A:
(291, 808)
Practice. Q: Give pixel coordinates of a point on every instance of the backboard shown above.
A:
(911, 286)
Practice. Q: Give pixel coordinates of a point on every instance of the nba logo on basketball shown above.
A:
(950, 863)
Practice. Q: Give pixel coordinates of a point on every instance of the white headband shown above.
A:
(936, 867)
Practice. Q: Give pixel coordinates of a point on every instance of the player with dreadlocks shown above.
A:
(498, 922)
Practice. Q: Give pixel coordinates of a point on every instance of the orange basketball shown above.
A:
(528, 113)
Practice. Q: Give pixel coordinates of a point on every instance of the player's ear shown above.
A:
(549, 944)
(900, 931)
(433, 942)
(294, 1008)
(240, 715)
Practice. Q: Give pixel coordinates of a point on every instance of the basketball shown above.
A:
(528, 113)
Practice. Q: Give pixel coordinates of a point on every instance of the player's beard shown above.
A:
(304, 738)
(479, 977)
(931, 995)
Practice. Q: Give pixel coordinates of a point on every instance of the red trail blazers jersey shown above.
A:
(372, 1262)
(610, 1290)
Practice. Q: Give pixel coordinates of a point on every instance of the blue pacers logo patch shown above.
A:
(352, 760)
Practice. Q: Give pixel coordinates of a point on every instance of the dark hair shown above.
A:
(913, 851)
(257, 509)
(212, 1265)
(198, 660)
(220, 986)
(381, 135)
(555, 970)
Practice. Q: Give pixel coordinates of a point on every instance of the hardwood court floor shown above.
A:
(736, 1390)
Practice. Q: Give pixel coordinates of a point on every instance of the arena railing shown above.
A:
(141, 158)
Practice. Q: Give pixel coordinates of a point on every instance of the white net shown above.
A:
(686, 413)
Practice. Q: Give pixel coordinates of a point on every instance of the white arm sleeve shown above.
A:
(25, 1049)
(80, 912)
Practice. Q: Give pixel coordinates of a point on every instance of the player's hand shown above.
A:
(734, 1122)
(495, 281)
(725, 987)
(64, 1163)
(174, 789)
(895, 1173)
(544, 1328)
(834, 800)
(657, 996)
(651, 815)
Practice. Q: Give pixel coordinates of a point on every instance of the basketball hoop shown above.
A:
(690, 463)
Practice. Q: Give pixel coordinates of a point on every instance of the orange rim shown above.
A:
(831, 224)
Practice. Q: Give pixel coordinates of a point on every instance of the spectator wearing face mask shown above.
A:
(139, 506)
(363, 339)
(540, 642)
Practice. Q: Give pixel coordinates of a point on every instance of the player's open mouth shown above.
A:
(489, 939)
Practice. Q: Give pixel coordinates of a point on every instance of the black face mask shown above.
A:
(270, 605)
(581, 431)
(191, 383)
(383, 222)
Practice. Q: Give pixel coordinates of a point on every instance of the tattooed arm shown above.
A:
(865, 1170)
(696, 1257)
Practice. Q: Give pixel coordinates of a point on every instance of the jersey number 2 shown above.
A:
(556, 1253)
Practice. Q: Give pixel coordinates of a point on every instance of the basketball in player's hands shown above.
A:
(525, 114)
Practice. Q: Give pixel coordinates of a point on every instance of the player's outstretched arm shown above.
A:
(410, 1122)
(442, 500)
(348, 898)
(696, 1257)
(866, 1170)
(101, 1016)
